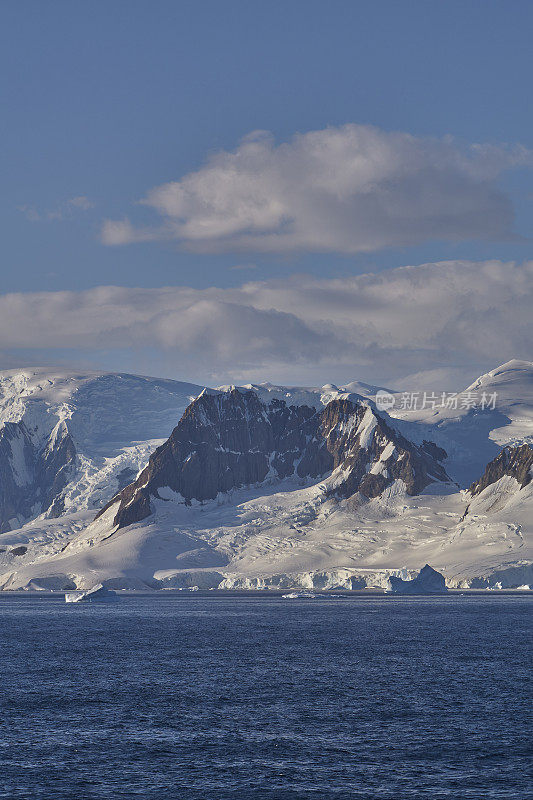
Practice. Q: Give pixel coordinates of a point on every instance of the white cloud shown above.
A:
(81, 201)
(442, 319)
(63, 210)
(121, 231)
(350, 189)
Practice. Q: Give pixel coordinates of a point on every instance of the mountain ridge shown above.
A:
(232, 439)
(312, 530)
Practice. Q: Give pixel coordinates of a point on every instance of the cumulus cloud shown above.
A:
(349, 189)
(441, 319)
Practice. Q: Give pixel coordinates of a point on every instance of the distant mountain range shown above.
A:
(138, 482)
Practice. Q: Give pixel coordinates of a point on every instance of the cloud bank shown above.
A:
(350, 189)
(438, 318)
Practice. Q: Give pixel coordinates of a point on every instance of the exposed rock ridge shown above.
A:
(32, 478)
(354, 439)
(516, 462)
(232, 439)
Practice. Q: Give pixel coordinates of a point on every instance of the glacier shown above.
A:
(281, 532)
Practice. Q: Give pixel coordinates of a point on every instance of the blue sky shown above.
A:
(106, 101)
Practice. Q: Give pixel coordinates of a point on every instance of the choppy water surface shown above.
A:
(236, 698)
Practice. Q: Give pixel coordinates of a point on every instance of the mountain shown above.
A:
(471, 435)
(512, 462)
(228, 440)
(33, 474)
(260, 486)
(69, 441)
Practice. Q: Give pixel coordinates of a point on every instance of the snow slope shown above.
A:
(471, 436)
(283, 533)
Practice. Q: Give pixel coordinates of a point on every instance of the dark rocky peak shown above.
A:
(227, 440)
(371, 453)
(237, 421)
(516, 462)
(223, 441)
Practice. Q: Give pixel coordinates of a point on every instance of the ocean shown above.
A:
(232, 698)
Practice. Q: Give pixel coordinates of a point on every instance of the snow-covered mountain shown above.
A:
(260, 485)
(231, 439)
(473, 436)
(68, 442)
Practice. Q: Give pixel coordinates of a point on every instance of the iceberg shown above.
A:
(98, 594)
(428, 581)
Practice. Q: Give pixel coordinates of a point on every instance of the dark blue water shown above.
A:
(219, 698)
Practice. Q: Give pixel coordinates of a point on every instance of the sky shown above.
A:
(297, 191)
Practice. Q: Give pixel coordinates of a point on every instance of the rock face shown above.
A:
(227, 440)
(428, 581)
(513, 461)
(31, 477)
